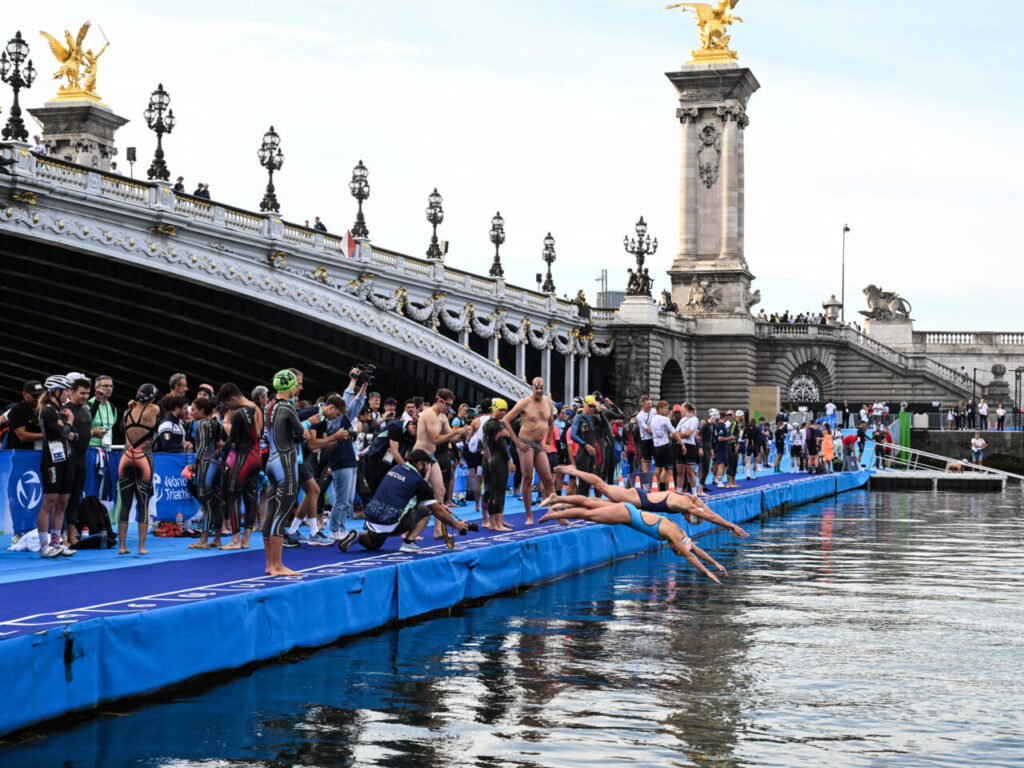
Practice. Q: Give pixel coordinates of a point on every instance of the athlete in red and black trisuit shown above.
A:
(135, 472)
(242, 465)
(208, 432)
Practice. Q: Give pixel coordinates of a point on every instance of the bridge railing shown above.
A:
(968, 339)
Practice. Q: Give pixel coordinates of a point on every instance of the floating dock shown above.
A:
(81, 631)
(926, 480)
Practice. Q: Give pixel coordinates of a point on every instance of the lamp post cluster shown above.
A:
(548, 254)
(360, 189)
(272, 159)
(497, 237)
(159, 123)
(12, 73)
(435, 215)
(640, 247)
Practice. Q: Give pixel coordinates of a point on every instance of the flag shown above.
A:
(350, 244)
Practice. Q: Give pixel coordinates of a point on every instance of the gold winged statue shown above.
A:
(713, 21)
(73, 56)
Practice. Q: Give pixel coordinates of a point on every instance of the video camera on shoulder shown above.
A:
(365, 373)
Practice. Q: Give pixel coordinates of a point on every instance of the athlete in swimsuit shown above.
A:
(655, 526)
(284, 433)
(135, 473)
(497, 465)
(208, 435)
(537, 415)
(692, 508)
(243, 463)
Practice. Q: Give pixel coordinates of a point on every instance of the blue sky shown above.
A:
(902, 120)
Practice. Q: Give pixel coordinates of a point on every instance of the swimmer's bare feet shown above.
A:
(232, 545)
(143, 551)
(551, 499)
(199, 545)
(124, 551)
(280, 570)
(529, 520)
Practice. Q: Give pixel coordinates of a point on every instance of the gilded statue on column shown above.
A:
(77, 65)
(713, 22)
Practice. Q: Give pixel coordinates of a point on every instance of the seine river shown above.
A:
(873, 629)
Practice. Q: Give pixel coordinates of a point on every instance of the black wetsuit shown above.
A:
(284, 434)
(54, 465)
(206, 434)
(707, 449)
(243, 468)
(496, 457)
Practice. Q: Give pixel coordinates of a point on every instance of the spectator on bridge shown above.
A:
(318, 225)
(199, 191)
(972, 414)
(978, 446)
(1000, 418)
(39, 147)
(950, 418)
(958, 411)
(22, 422)
(114, 169)
(179, 185)
(982, 414)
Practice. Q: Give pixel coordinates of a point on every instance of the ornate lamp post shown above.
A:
(497, 237)
(435, 215)
(360, 189)
(272, 159)
(159, 102)
(641, 248)
(12, 74)
(548, 254)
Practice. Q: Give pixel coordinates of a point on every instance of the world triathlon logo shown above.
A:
(158, 484)
(29, 490)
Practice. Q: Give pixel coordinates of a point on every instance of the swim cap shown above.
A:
(498, 404)
(285, 380)
(590, 400)
(146, 394)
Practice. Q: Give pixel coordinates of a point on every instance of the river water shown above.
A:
(868, 630)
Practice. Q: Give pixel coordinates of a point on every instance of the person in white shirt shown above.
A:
(39, 148)
(949, 418)
(864, 414)
(877, 411)
(796, 448)
(978, 446)
(982, 414)
(643, 425)
(1000, 417)
(662, 435)
(687, 430)
(830, 414)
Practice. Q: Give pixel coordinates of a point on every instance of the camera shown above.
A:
(474, 526)
(364, 373)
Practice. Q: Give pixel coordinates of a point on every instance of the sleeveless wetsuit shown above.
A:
(284, 434)
(135, 473)
(208, 432)
(243, 468)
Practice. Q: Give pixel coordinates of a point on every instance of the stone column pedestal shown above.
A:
(638, 310)
(80, 132)
(898, 334)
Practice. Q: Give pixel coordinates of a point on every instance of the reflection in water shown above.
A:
(869, 630)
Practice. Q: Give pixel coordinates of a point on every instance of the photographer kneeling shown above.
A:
(402, 505)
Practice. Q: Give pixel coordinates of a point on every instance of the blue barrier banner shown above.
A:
(19, 477)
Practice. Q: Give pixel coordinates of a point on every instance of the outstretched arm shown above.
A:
(688, 554)
(701, 553)
(699, 509)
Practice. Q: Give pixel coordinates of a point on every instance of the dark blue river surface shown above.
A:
(872, 629)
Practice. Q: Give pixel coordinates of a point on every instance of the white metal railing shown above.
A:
(334, 244)
(416, 267)
(914, 459)
(296, 235)
(242, 220)
(534, 300)
(454, 278)
(386, 260)
(481, 284)
(62, 174)
(115, 186)
(191, 207)
(513, 294)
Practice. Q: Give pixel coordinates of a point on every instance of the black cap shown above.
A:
(416, 456)
(33, 387)
(391, 401)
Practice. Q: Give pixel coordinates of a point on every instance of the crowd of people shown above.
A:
(800, 318)
(263, 459)
(969, 415)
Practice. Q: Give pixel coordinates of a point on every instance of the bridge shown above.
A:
(129, 276)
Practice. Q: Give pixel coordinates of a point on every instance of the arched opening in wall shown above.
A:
(672, 387)
(804, 387)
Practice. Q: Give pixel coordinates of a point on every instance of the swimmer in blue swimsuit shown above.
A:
(691, 507)
(655, 526)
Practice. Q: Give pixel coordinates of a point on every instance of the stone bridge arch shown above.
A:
(807, 362)
(673, 383)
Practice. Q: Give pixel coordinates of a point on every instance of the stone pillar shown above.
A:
(492, 348)
(80, 132)
(545, 366)
(464, 336)
(710, 274)
(521, 360)
(570, 377)
(584, 375)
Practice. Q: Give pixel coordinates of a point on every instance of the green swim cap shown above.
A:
(285, 380)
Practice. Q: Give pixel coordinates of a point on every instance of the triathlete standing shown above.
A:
(243, 463)
(135, 472)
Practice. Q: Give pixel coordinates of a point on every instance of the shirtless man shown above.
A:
(538, 424)
(691, 507)
(432, 430)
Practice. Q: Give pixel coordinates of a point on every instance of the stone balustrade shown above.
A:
(967, 339)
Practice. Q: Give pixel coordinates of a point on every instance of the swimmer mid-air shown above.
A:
(655, 526)
(692, 508)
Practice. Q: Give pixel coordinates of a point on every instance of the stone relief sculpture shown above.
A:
(632, 371)
(667, 305)
(704, 295)
(885, 305)
(709, 151)
(750, 299)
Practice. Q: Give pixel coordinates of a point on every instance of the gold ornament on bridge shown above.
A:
(713, 21)
(77, 66)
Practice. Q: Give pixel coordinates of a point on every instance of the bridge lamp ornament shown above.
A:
(272, 159)
(435, 215)
(498, 238)
(641, 247)
(160, 123)
(548, 254)
(12, 73)
(360, 189)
